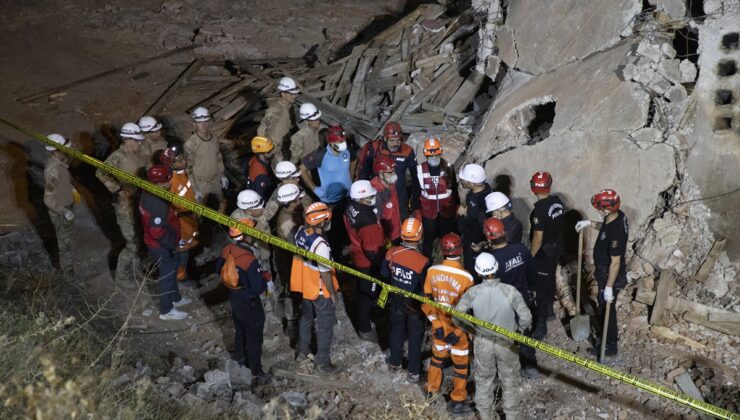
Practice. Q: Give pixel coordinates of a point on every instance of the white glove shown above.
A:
(583, 224)
(69, 215)
(270, 288)
(608, 294)
(224, 182)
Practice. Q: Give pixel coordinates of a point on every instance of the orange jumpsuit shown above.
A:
(446, 283)
(182, 186)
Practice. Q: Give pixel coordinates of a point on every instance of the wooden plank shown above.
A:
(462, 98)
(669, 334)
(387, 84)
(708, 265)
(448, 90)
(345, 82)
(423, 119)
(430, 11)
(244, 100)
(405, 41)
(340, 115)
(173, 89)
(434, 60)
(724, 317)
(40, 95)
(665, 285)
(731, 328)
(688, 387)
(226, 93)
(388, 71)
(358, 84)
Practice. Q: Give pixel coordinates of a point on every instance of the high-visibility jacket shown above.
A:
(445, 283)
(305, 275)
(366, 237)
(406, 268)
(438, 191)
(388, 209)
(181, 185)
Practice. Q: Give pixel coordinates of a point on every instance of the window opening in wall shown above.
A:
(722, 123)
(730, 41)
(726, 68)
(686, 44)
(539, 128)
(723, 97)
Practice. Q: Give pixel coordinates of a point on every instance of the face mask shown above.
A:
(392, 179)
(603, 213)
(340, 147)
(434, 161)
(328, 226)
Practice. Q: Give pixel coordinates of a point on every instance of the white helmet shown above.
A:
(58, 139)
(148, 124)
(361, 189)
(286, 169)
(286, 84)
(472, 172)
(287, 193)
(495, 201)
(485, 264)
(309, 112)
(131, 131)
(249, 199)
(201, 114)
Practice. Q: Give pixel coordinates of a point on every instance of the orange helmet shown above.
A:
(411, 230)
(432, 147)
(235, 233)
(317, 213)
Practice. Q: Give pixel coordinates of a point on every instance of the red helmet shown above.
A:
(336, 134)
(541, 182)
(392, 130)
(493, 228)
(606, 200)
(384, 163)
(452, 245)
(158, 174)
(169, 154)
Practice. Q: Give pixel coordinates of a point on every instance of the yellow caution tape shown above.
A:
(204, 211)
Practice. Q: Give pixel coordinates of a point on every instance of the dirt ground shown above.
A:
(45, 44)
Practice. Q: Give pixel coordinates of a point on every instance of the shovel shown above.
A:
(606, 330)
(580, 325)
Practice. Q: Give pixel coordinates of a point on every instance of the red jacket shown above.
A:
(388, 210)
(366, 238)
(260, 178)
(161, 225)
(438, 195)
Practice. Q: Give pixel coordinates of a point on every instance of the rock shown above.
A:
(238, 375)
(675, 372)
(120, 381)
(147, 312)
(175, 390)
(192, 399)
(669, 236)
(648, 268)
(186, 374)
(688, 71)
(676, 93)
(671, 70)
(203, 390)
(649, 51)
(668, 50)
(295, 399)
(142, 370)
(717, 283)
(646, 283)
(676, 9)
(163, 380)
(215, 377)
(648, 135)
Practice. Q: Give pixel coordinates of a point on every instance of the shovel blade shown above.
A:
(580, 328)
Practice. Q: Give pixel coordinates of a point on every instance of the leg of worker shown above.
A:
(397, 335)
(239, 316)
(65, 242)
(255, 324)
(545, 288)
(527, 355)
(459, 353)
(365, 301)
(325, 320)
(415, 334)
(305, 326)
(128, 258)
(485, 375)
(612, 334)
(431, 232)
(508, 370)
(440, 352)
(168, 292)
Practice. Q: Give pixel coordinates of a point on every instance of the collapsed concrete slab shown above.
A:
(549, 34)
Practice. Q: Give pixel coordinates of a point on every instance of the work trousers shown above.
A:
(470, 237)
(182, 265)
(65, 233)
(493, 357)
(544, 286)
(128, 259)
(612, 332)
(168, 289)
(323, 309)
(249, 320)
(291, 302)
(433, 229)
(527, 355)
(406, 325)
(367, 293)
(458, 352)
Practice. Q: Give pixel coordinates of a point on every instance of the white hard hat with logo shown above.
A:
(362, 189)
(131, 131)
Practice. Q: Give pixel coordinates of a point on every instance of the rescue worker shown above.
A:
(60, 197)
(205, 162)
(392, 145)
(259, 176)
(306, 139)
(516, 268)
(286, 173)
(387, 198)
(130, 159)
(498, 206)
(289, 219)
(472, 213)
(438, 198)
(155, 141)
(173, 157)
(502, 305)
(251, 206)
(366, 245)
(609, 260)
(546, 246)
(161, 236)
(278, 120)
(406, 267)
(246, 308)
(445, 284)
(317, 283)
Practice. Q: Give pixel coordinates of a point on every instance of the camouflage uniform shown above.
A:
(287, 224)
(303, 142)
(59, 197)
(498, 304)
(134, 164)
(273, 206)
(150, 147)
(205, 166)
(276, 125)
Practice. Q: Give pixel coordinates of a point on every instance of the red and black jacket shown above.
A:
(406, 268)
(366, 235)
(161, 225)
(260, 178)
(405, 159)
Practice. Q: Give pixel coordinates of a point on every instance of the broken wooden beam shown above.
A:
(339, 115)
(708, 265)
(724, 317)
(665, 285)
(731, 328)
(688, 387)
(669, 334)
(428, 11)
(174, 88)
(465, 95)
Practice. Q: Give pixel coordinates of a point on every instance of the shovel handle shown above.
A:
(578, 272)
(606, 329)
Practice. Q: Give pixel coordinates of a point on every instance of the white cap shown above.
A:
(58, 139)
(309, 112)
(485, 264)
(131, 131)
(286, 169)
(149, 124)
(201, 114)
(472, 172)
(495, 201)
(361, 189)
(286, 84)
(249, 199)
(287, 193)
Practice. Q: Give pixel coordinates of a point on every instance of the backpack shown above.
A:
(229, 273)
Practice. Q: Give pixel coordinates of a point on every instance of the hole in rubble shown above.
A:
(664, 199)
(722, 123)
(723, 97)
(730, 41)
(647, 8)
(696, 9)
(686, 44)
(502, 184)
(651, 113)
(726, 68)
(539, 128)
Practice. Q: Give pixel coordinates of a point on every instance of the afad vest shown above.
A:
(182, 186)
(305, 277)
(436, 194)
